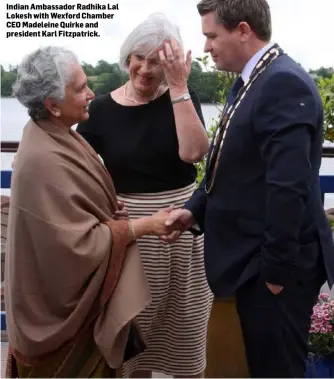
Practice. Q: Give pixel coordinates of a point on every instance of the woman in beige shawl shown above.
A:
(74, 279)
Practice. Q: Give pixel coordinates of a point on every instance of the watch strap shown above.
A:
(186, 96)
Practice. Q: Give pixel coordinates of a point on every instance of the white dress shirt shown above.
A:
(246, 72)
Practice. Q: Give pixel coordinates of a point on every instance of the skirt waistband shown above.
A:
(172, 195)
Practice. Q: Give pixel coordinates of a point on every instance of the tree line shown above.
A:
(209, 84)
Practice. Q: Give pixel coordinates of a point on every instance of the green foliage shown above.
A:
(103, 67)
(321, 344)
(105, 77)
(205, 84)
(321, 338)
(326, 88)
(331, 224)
(211, 86)
(88, 69)
(323, 72)
(325, 85)
(224, 81)
(200, 166)
(108, 82)
(7, 81)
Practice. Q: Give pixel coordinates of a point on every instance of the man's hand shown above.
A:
(274, 288)
(178, 221)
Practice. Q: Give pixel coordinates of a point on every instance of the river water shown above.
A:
(14, 116)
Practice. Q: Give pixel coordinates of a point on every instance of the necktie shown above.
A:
(234, 90)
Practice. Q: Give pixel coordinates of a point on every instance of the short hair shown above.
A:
(147, 37)
(43, 74)
(231, 12)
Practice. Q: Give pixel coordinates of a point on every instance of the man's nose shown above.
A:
(207, 46)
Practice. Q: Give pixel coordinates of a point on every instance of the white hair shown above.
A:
(147, 37)
(43, 73)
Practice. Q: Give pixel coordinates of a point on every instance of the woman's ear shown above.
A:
(52, 107)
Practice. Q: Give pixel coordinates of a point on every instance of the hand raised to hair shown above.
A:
(176, 66)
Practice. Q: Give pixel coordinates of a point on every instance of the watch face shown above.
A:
(187, 96)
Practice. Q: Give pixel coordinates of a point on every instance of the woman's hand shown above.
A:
(176, 67)
(158, 222)
(155, 224)
(121, 213)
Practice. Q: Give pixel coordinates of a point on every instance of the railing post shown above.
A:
(6, 177)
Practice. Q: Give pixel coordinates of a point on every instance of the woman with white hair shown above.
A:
(74, 278)
(149, 133)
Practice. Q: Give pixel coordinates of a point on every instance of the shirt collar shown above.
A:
(246, 72)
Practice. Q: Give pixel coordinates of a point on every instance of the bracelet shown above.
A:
(184, 97)
(132, 231)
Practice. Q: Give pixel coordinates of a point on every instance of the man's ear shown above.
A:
(52, 107)
(245, 31)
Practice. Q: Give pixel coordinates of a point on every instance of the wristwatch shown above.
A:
(184, 97)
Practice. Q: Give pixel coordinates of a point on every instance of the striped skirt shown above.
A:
(175, 323)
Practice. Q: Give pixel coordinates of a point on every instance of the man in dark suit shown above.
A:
(267, 239)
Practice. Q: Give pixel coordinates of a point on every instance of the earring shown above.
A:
(57, 114)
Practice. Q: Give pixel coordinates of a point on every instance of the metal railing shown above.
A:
(11, 147)
(326, 181)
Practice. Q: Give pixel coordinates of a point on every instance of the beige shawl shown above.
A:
(67, 259)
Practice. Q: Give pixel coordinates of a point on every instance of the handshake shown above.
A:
(168, 223)
(171, 223)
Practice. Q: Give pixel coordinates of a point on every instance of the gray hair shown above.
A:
(231, 12)
(43, 74)
(147, 37)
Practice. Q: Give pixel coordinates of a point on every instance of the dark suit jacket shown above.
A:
(264, 214)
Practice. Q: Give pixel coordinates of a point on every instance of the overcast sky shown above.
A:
(303, 28)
